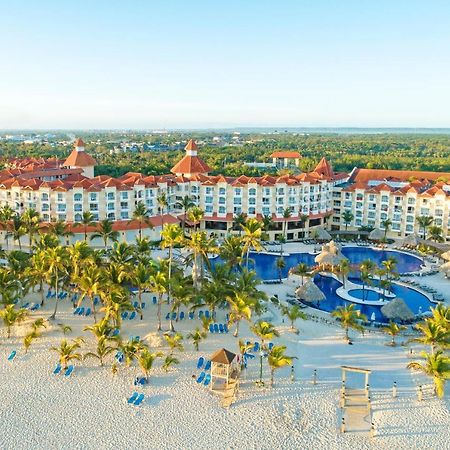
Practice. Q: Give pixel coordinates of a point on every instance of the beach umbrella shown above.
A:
(446, 255)
(445, 268)
(397, 309)
(329, 259)
(310, 292)
(333, 247)
(376, 235)
(412, 239)
(321, 234)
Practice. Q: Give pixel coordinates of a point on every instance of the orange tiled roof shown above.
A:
(324, 168)
(282, 154)
(395, 175)
(79, 159)
(79, 143)
(191, 145)
(191, 165)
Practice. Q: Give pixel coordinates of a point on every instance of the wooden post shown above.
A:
(315, 376)
(420, 393)
(372, 429)
(394, 390)
(343, 425)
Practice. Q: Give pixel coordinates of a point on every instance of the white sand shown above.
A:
(89, 411)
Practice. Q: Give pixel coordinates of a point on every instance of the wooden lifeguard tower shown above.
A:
(355, 403)
(225, 375)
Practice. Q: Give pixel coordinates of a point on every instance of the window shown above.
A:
(222, 201)
(409, 228)
(45, 217)
(124, 195)
(93, 206)
(208, 209)
(77, 197)
(44, 197)
(61, 207)
(266, 191)
(411, 201)
(110, 196)
(252, 191)
(78, 217)
(252, 201)
(384, 198)
(237, 210)
(237, 201)
(209, 199)
(396, 226)
(124, 215)
(209, 190)
(252, 210)
(221, 209)
(62, 217)
(410, 219)
(111, 206)
(45, 207)
(266, 211)
(111, 216)
(383, 216)
(280, 191)
(60, 197)
(124, 205)
(222, 191)
(78, 207)
(280, 210)
(237, 191)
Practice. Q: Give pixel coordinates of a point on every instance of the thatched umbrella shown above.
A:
(321, 234)
(397, 309)
(329, 259)
(332, 247)
(309, 292)
(445, 268)
(376, 235)
(446, 255)
(411, 239)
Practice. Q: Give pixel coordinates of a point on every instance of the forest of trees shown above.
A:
(386, 151)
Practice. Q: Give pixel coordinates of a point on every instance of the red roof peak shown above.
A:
(324, 168)
(79, 143)
(191, 145)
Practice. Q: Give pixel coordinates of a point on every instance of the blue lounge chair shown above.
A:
(228, 317)
(57, 369)
(26, 305)
(119, 356)
(221, 329)
(207, 379)
(174, 316)
(143, 305)
(216, 328)
(133, 398)
(200, 362)
(68, 371)
(207, 365)
(201, 377)
(139, 400)
(124, 315)
(135, 304)
(54, 295)
(214, 315)
(116, 332)
(211, 328)
(191, 315)
(76, 311)
(49, 294)
(81, 311)
(207, 314)
(182, 315)
(271, 345)
(225, 327)
(155, 300)
(12, 355)
(96, 301)
(256, 347)
(88, 312)
(200, 314)
(167, 316)
(132, 315)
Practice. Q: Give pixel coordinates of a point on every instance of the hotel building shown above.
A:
(64, 189)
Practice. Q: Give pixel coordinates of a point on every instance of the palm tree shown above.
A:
(102, 350)
(29, 338)
(267, 223)
(38, 271)
(293, 313)
(287, 213)
(200, 246)
(386, 224)
(100, 329)
(231, 251)
(347, 217)
(390, 267)
(87, 220)
(59, 230)
(106, 232)
(278, 359)
(162, 204)
(68, 351)
(344, 270)
(441, 316)
(141, 214)
(280, 263)
(437, 366)
(195, 215)
(169, 361)
(240, 309)
(46, 240)
(171, 235)
(174, 341)
(140, 278)
(146, 360)
(132, 349)
(65, 328)
(435, 233)
(196, 336)
(433, 334)
(252, 237)
(90, 284)
(302, 270)
(185, 204)
(244, 347)
(158, 285)
(239, 221)
(12, 316)
(182, 293)
(6, 216)
(366, 268)
(18, 229)
(349, 318)
(424, 222)
(265, 331)
(393, 330)
(30, 220)
(56, 260)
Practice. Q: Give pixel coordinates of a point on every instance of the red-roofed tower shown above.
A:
(191, 164)
(79, 159)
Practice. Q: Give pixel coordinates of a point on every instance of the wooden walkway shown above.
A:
(356, 411)
(229, 394)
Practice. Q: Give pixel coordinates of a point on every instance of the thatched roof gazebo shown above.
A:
(310, 293)
(376, 235)
(397, 309)
(446, 255)
(224, 369)
(445, 268)
(321, 234)
(412, 239)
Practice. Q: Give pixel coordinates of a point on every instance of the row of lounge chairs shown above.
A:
(218, 328)
(437, 297)
(31, 306)
(200, 363)
(82, 311)
(59, 370)
(191, 315)
(125, 315)
(204, 378)
(136, 399)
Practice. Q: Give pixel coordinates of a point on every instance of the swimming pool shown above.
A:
(416, 301)
(265, 264)
(365, 294)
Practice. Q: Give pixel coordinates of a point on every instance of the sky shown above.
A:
(224, 63)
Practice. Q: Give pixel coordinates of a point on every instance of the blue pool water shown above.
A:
(416, 301)
(365, 294)
(265, 265)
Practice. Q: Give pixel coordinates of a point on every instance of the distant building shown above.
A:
(285, 159)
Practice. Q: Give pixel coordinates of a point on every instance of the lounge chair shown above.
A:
(207, 380)
(57, 369)
(124, 315)
(135, 304)
(211, 328)
(49, 294)
(174, 316)
(221, 329)
(271, 345)
(132, 315)
(96, 301)
(139, 400)
(216, 328)
(207, 365)
(154, 300)
(68, 371)
(88, 312)
(200, 314)
(201, 377)
(225, 327)
(191, 315)
(133, 398)
(12, 355)
(81, 311)
(116, 332)
(256, 347)
(207, 315)
(182, 315)
(200, 362)
(143, 305)
(76, 311)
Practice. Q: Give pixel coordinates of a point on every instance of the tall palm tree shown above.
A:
(185, 204)
(344, 270)
(435, 233)
(18, 229)
(38, 271)
(437, 366)
(196, 337)
(302, 270)
(158, 285)
(349, 318)
(182, 293)
(132, 349)
(231, 251)
(174, 341)
(280, 264)
(390, 267)
(433, 334)
(240, 309)
(45, 241)
(6, 216)
(79, 254)
(162, 205)
(11, 316)
(102, 351)
(252, 237)
(386, 224)
(347, 217)
(56, 260)
(106, 232)
(30, 220)
(68, 351)
(59, 229)
(293, 313)
(366, 268)
(278, 359)
(146, 360)
(195, 215)
(87, 220)
(140, 278)
(287, 214)
(441, 316)
(267, 223)
(141, 214)
(90, 284)
(424, 222)
(393, 330)
(239, 221)
(265, 331)
(200, 246)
